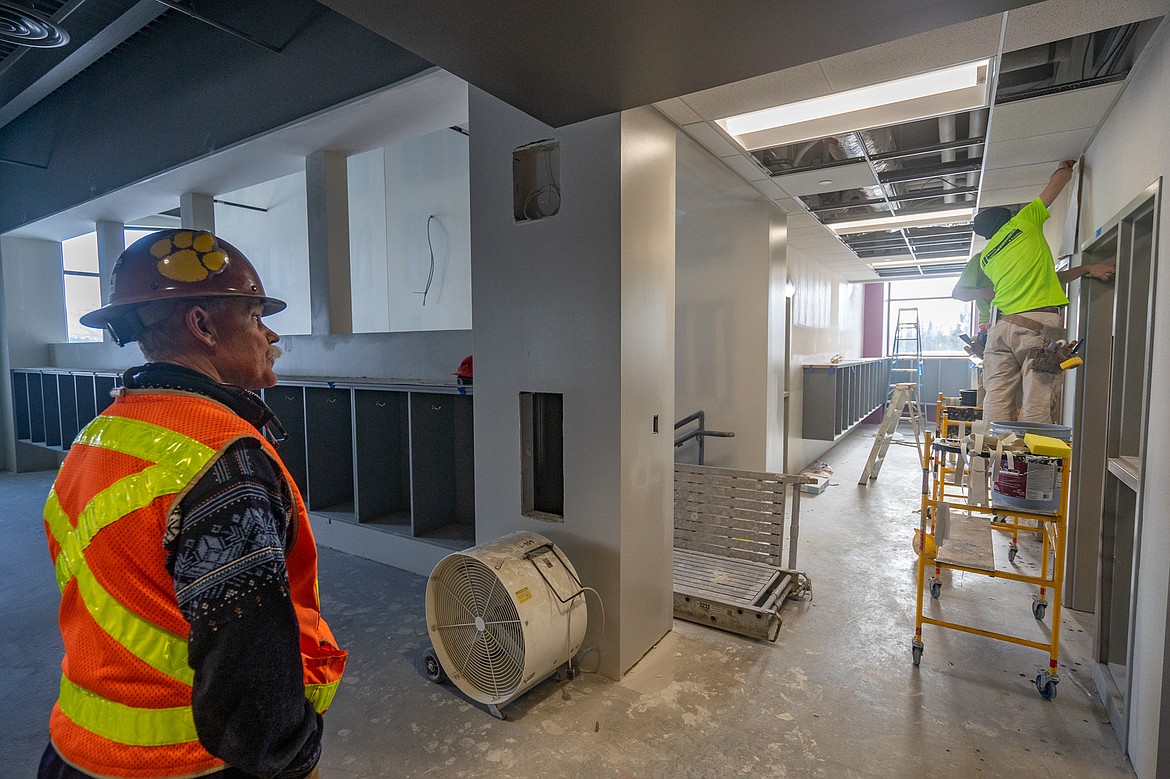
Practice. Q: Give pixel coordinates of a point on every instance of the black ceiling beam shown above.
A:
(161, 100)
(565, 61)
(28, 77)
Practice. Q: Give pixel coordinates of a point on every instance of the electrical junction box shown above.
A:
(536, 181)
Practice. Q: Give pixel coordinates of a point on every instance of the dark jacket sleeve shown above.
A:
(228, 563)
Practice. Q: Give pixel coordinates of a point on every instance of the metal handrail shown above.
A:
(700, 432)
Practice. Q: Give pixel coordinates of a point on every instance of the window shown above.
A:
(83, 281)
(941, 318)
(83, 285)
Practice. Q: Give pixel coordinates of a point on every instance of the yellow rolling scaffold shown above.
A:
(958, 520)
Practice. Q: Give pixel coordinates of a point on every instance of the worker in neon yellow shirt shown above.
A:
(1029, 295)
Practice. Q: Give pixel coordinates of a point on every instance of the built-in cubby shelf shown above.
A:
(395, 457)
(51, 405)
(837, 396)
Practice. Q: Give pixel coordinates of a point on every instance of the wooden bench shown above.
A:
(729, 548)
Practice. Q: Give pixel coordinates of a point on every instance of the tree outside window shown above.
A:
(941, 318)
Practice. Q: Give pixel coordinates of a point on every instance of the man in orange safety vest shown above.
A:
(194, 644)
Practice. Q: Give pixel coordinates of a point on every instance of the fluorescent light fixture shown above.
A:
(904, 220)
(946, 91)
(910, 262)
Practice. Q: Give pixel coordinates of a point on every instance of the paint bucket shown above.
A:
(1026, 481)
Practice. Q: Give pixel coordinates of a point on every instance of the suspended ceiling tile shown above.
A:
(1035, 175)
(1056, 20)
(828, 245)
(803, 219)
(783, 86)
(746, 167)
(678, 112)
(791, 206)
(806, 234)
(711, 138)
(852, 176)
(1009, 196)
(843, 264)
(1074, 110)
(1021, 151)
(976, 39)
(769, 189)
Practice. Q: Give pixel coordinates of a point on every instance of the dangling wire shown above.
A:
(431, 248)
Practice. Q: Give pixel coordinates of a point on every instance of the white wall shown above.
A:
(393, 192)
(727, 237)
(582, 304)
(827, 316)
(276, 241)
(1129, 153)
(32, 289)
(722, 330)
(648, 150)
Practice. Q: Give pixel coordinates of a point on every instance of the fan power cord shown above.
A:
(581, 590)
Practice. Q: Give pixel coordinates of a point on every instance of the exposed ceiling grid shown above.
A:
(1025, 139)
(1054, 20)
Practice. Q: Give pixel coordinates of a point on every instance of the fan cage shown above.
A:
(478, 625)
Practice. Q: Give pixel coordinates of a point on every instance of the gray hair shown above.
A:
(159, 340)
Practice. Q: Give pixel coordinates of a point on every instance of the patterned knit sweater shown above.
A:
(227, 556)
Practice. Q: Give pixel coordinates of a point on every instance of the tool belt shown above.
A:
(1023, 321)
(1051, 358)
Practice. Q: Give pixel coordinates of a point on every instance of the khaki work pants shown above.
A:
(1007, 370)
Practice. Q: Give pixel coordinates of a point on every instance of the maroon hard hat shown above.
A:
(175, 265)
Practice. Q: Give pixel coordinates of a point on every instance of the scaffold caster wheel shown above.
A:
(432, 668)
(1046, 685)
(916, 652)
(1012, 554)
(935, 588)
(1038, 608)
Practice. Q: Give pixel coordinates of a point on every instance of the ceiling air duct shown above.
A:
(20, 26)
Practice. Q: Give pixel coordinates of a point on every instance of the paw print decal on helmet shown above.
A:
(189, 256)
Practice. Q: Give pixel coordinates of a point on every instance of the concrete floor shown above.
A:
(835, 696)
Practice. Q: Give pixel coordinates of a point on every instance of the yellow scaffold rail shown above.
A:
(955, 529)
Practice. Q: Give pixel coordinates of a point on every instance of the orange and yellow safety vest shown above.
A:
(124, 708)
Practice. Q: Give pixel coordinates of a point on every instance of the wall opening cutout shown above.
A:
(542, 455)
(536, 180)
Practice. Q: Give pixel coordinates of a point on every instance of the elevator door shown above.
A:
(1116, 323)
